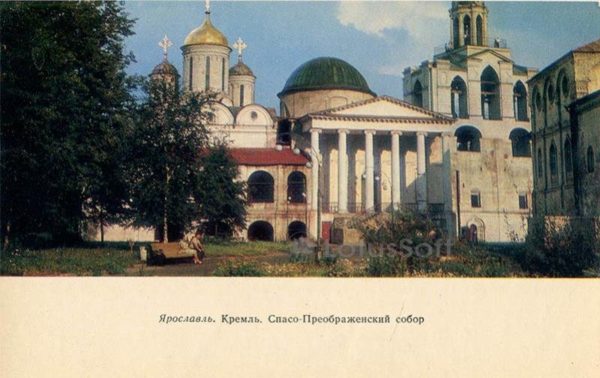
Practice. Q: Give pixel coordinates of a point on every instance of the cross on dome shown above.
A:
(240, 46)
(165, 43)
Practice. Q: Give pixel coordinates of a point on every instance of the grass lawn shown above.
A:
(112, 258)
(262, 259)
(77, 261)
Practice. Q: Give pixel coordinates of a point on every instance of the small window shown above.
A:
(538, 101)
(475, 199)
(190, 81)
(253, 115)
(590, 159)
(523, 201)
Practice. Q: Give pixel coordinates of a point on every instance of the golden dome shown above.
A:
(206, 34)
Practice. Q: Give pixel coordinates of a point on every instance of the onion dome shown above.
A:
(240, 69)
(206, 34)
(165, 68)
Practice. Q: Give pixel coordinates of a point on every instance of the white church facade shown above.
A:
(456, 148)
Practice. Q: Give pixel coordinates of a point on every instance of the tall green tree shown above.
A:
(165, 158)
(64, 104)
(220, 195)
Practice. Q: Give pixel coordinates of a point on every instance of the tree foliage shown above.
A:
(221, 197)
(65, 103)
(164, 157)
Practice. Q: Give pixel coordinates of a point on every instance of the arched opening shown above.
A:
(467, 139)
(418, 94)
(296, 189)
(459, 98)
(296, 230)
(467, 30)
(537, 100)
(284, 132)
(565, 86)
(475, 230)
(260, 230)
(479, 27)
(520, 101)
(553, 160)
(590, 160)
(260, 187)
(540, 163)
(455, 29)
(520, 139)
(568, 157)
(242, 95)
(490, 94)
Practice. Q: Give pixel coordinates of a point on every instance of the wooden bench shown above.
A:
(160, 252)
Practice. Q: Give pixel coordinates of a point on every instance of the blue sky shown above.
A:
(380, 39)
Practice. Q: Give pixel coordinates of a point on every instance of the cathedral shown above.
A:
(457, 147)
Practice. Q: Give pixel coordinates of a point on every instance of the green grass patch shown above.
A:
(227, 248)
(78, 261)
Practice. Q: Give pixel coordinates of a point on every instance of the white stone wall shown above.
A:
(300, 103)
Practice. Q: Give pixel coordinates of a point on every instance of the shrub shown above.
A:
(562, 247)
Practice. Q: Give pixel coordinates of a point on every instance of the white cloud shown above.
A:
(417, 18)
(426, 24)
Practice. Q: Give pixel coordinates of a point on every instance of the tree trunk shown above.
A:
(101, 227)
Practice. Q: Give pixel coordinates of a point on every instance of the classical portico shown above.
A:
(375, 154)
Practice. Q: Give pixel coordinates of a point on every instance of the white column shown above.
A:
(396, 168)
(314, 153)
(369, 171)
(448, 146)
(421, 172)
(342, 172)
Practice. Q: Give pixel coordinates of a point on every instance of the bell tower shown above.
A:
(469, 24)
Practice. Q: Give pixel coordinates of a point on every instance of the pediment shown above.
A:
(383, 106)
(487, 54)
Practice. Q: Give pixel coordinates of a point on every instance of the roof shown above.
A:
(428, 115)
(590, 47)
(240, 69)
(585, 100)
(325, 73)
(267, 156)
(206, 34)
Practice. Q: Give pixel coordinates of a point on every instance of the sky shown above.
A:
(379, 38)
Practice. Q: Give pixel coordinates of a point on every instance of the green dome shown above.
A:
(325, 73)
